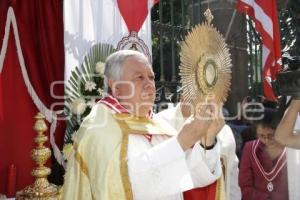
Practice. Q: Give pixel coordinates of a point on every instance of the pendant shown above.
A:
(270, 186)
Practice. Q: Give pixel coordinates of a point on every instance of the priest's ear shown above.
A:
(113, 87)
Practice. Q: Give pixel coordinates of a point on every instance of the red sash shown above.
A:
(204, 193)
(115, 105)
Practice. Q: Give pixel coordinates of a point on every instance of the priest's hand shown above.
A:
(195, 127)
(215, 127)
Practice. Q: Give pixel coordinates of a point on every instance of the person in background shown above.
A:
(175, 117)
(263, 168)
(252, 106)
(285, 133)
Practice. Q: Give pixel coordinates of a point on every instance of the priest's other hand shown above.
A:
(215, 127)
(196, 127)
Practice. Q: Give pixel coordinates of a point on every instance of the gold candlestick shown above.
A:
(41, 189)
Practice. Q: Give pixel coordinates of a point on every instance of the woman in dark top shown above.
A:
(263, 169)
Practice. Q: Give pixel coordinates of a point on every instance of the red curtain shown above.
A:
(40, 28)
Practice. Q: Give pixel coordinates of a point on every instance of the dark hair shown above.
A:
(270, 118)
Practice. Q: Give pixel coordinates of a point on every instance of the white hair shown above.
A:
(114, 63)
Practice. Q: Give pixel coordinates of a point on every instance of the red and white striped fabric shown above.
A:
(264, 14)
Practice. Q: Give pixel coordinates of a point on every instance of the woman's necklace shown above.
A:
(269, 176)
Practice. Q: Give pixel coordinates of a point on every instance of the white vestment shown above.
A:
(158, 170)
(227, 142)
(293, 165)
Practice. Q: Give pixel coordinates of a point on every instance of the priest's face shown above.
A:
(266, 136)
(136, 88)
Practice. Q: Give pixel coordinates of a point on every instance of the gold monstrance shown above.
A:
(205, 67)
(41, 189)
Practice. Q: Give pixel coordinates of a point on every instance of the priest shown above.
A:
(120, 152)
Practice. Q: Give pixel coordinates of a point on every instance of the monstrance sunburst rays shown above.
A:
(205, 67)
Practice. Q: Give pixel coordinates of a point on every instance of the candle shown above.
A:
(11, 180)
